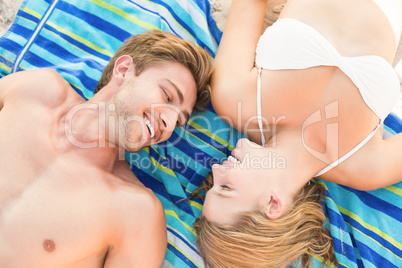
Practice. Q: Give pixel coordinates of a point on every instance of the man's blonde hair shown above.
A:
(155, 47)
(257, 241)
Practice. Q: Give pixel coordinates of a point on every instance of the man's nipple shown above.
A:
(49, 245)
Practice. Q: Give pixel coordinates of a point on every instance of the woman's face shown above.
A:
(241, 183)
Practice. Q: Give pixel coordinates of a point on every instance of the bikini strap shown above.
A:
(350, 153)
(259, 116)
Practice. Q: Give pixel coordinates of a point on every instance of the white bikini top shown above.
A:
(291, 44)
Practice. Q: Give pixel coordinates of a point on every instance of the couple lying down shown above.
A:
(305, 83)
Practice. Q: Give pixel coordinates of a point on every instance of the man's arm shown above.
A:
(143, 236)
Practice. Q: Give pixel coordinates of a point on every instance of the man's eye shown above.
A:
(224, 187)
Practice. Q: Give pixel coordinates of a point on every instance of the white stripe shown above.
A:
(38, 28)
(178, 241)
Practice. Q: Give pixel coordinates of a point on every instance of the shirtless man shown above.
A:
(66, 199)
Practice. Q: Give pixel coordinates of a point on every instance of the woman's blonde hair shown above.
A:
(257, 241)
(155, 47)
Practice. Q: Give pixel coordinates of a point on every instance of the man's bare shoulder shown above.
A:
(41, 85)
(143, 238)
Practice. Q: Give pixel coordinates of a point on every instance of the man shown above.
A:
(66, 197)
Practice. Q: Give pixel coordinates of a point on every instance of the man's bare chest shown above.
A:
(52, 212)
(55, 218)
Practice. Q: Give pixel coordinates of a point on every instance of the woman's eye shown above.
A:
(167, 96)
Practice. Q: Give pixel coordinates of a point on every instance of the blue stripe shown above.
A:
(344, 249)
(150, 182)
(88, 82)
(78, 44)
(179, 255)
(10, 46)
(189, 149)
(178, 19)
(394, 122)
(78, 91)
(57, 49)
(28, 16)
(377, 203)
(183, 24)
(94, 21)
(372, 256)
(205, 138)
(182, 238)
(22, 31)
(383, 242)
(32, 39)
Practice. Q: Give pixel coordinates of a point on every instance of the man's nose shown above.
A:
(169, 117)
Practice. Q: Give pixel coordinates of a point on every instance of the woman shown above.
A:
(311, 92)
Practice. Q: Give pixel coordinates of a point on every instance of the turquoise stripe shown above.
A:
(178, 220)
(199, 22)
(38, 6)
(126, 12)
(30, 25)
(59, 61)
(24, 65)
(77, 83)
(79, 53)
(350, 201)
(46, 15)
(17, 38)
(76, 27)
(8, 55)
(390, 130)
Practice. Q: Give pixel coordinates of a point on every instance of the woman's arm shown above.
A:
(375, 165)
(234, 61)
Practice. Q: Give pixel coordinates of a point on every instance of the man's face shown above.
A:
(149, 106)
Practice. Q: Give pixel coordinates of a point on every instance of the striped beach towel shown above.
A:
(78, 37)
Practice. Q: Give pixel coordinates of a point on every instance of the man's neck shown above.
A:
(83, 132)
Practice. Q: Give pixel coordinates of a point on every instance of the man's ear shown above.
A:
(273, 208)
(123, 66)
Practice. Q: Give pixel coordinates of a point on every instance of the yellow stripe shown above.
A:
(320, 259)
(363, 223)
(195, 204)
(182, 252)
(174, 214)
(161, 167)
(208, 133)
(81, 40)
(157, 164)
(124, 14)
(178, 24)
(32, 12)
(205, 143)
(366, 225)
(394, 189)
(375, 241)
(5, 67)
(70, 44)
(371, 228)
(156, 151)
(82, 91)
